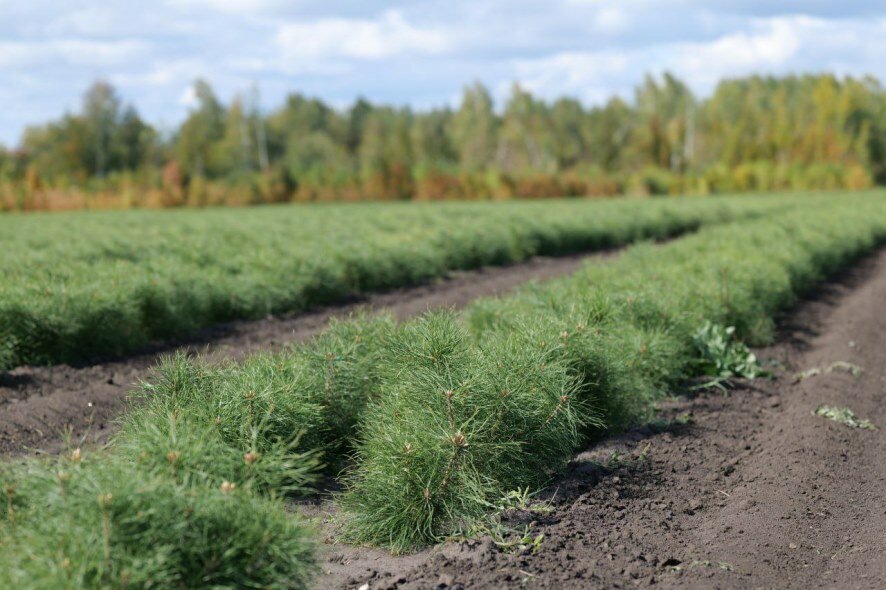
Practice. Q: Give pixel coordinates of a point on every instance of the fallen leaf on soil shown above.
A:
(843, 366)
(844, 416)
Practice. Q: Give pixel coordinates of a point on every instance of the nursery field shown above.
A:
(432, 428)
(76, 286)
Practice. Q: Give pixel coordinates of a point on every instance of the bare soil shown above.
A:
(746, 490)
(41, 407)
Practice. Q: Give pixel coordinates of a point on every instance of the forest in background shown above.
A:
(755, 133)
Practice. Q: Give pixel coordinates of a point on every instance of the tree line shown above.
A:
(754, 133)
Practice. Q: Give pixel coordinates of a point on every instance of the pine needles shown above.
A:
(98, 522)
(79, 285)
(457, 425)
(595, 349)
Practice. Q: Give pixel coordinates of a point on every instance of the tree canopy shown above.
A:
(753, 133)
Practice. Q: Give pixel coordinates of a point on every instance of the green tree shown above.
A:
(665, 132)
(385, 156)
(609, 133)
(474, 129)
(101, 122)
(204, 126)
(316, 160)
(235, 153)
(357, 117)
(431, 143)
(569, 127)
(137, 140)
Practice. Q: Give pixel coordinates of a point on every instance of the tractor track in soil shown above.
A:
(746, 490)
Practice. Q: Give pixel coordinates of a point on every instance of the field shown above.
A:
(435, 429)
(80, 285)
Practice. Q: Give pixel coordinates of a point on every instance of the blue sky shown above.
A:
(409, 52)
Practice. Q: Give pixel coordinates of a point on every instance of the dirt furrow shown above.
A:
(746, 490)
(41, 406)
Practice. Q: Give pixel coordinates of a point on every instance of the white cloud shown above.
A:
(588, 75)
(89, 20)
(361, 39)
(774, 46)
(241, 7)
(188, 98)
(165, 72)
(26, 54)
(785, 44)
(611, 20)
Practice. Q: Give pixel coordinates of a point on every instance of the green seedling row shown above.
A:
(500, 398)
(76, 286)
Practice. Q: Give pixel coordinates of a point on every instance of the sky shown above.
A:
(417, 53)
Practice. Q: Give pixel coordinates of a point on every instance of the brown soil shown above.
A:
(746, 490)
(42, 406)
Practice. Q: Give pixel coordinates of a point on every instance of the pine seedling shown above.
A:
(114, 525)
(454, 427)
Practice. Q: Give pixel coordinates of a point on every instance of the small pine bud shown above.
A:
(227, 487)
(250, 457)
(173, 456)
(76, 455)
